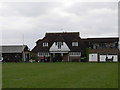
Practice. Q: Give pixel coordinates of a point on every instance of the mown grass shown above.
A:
(60, 75)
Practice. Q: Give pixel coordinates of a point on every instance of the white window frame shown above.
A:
(74, 43)
(42, 54)
(45, 44)
(75, 54)
(59, 44)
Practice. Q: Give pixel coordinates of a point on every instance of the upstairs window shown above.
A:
(74, 43)
(59, 44)
(45, 44)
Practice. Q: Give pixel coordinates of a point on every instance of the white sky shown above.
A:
(95, 18)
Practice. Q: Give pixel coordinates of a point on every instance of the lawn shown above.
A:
(60, 75)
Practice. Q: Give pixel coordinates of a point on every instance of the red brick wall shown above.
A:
(119, 56)
(104, 51)
(65, 57)
(74, 58)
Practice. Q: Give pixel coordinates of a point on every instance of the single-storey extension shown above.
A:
(15, 53)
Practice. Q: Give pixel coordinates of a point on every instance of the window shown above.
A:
(74, 43)
(59, 44)
(75, 53)
(45, 44)
(103, 45)
(41, 54)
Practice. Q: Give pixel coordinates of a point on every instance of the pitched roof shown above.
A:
(13, 48)
(59, 38)
(67, 37)
(76, 39)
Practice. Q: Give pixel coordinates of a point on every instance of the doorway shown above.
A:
(57, 57)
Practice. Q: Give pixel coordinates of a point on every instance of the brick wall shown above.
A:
(65, 57)
(74, 58)
(119, 56)
(104, 51)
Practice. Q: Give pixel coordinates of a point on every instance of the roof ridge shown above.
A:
(61, 32)
(59, 38)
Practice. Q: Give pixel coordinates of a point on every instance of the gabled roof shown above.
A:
(13, 48)
(67, 37)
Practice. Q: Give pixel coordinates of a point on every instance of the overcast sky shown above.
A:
(34, 19)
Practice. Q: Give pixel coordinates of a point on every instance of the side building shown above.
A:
(103, 49)
(15, 53)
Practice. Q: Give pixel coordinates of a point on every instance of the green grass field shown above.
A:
(60, 75)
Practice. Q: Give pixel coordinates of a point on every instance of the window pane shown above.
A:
(74, 43)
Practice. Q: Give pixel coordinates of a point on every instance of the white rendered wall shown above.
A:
(93, 57)
(64, 47)
(115, 57)
(102, 58)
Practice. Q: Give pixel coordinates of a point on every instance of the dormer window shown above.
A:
(74, 43)
(59, 44)
(45, 44)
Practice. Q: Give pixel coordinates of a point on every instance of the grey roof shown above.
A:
(12, 48)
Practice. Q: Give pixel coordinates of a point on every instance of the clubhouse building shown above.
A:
(70, 47)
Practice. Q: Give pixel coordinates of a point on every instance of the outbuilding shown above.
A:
(15, 53)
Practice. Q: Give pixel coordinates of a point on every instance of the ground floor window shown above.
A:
(75, 53)
(41, 54)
